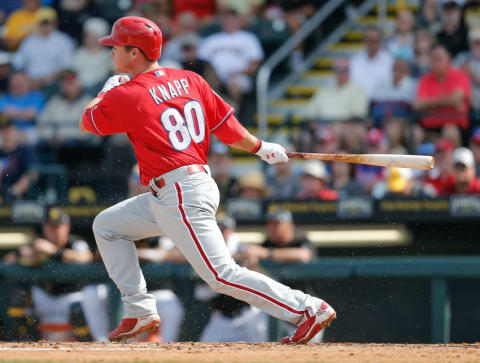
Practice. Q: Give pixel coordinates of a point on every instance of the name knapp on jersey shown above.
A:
(165, 92)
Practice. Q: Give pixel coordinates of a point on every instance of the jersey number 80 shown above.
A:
(180, 135)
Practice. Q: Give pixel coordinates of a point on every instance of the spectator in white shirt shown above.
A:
(45, 54)
(235, 55)
(342, 101)
(373, 66)
(91, 61)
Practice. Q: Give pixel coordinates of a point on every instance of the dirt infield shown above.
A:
(237, 352)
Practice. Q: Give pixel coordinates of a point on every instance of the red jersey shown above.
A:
(431, 87)
(473, 188)
(168, 115)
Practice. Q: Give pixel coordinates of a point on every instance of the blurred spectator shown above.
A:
(441, 177)
(314, 181)
(45, 54)
(394, 96)
(53, 301)
(58, 122)
(187, 25)
(191, 62)
(399, 182)
(231, 319)
(474, 145)
(401, 44)
(343, 179)
(423, 53)
(21, 23)
(234, 54)
(373, 66)
(396, 133)
(16, 175)
(283, 180)
(470, 63)
(91, 60)
(464, 169)
(23, 106)
(453, 35)
(220, 163)
(251, 185)
(244, 8)
(281, 244)
(5, 70)
(429, 16)
(369, 175)
(443, 95)
(340, 102)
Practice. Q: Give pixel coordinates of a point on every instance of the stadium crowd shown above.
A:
(413, 89)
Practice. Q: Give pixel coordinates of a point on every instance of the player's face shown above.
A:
(121, 59)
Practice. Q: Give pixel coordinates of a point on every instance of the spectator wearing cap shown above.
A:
(474, 145)
(326, 140)
(46, 53)
(252, 185)
(16, 174)
(369, 175)
(441, 177)
(220, 163)
(53, 301)
(58, 123)
(443, 95)
(395, 96)
(5, 71)
(91, 60)
(231, 319)
(191, 62)
(464, 169)
(314, 181)
(21, 23)
(470, 63)
(22, 105)
(235, 54)
(282, 244)
(401, 44)
(400, 182)
(341, 101)
(373, 66)
(453, 35)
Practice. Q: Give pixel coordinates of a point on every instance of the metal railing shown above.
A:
(265, 71)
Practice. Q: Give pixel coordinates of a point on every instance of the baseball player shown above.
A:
(168, 115)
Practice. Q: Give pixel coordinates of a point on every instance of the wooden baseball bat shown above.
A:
(390, 160)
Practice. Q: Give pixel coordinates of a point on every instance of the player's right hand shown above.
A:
(112, 82)
(272, 153)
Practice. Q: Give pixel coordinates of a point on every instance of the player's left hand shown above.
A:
(272, 153)
(112, 82)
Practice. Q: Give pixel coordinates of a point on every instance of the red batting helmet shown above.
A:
(136, 32)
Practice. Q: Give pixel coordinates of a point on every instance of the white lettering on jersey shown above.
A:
(160, 93)
(172, 90)
(184, 83)
(154, 95)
